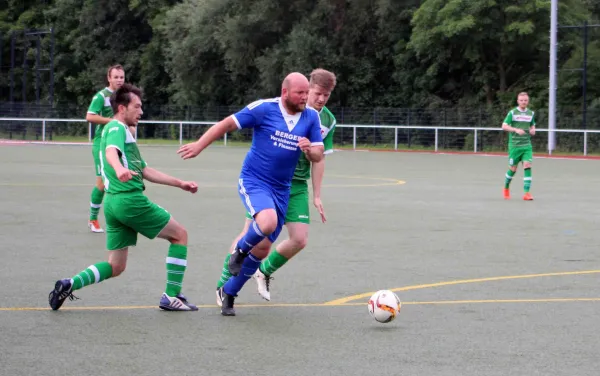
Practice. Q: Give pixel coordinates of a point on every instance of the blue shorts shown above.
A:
(257, 197)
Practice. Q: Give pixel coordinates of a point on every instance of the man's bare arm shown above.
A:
(315, 153)
(211, 135)
(97, 119)
(155, 176)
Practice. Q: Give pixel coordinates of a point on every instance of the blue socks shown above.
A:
(249, 267)
(252, 238)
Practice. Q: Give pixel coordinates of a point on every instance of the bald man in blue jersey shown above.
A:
(284, 127)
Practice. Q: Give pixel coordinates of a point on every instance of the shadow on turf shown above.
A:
(385, 327)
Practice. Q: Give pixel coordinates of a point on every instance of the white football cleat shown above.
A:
(263, 284)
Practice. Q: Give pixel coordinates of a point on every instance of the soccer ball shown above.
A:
(384, 305)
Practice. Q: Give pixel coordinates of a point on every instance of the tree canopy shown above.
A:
(386, 53)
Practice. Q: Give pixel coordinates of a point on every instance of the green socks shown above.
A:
(273, 262)
(225, 275)
(93, 274)
(509, 176)
(95, 203)
(268, 266)
(176, 264)
(527, 179)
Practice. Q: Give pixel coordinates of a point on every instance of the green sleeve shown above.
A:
(508, 119)
(97, 104)
(328, 140)
(533, 119)
(115, 137)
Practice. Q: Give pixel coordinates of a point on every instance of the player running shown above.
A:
(297, 218)
(128, 211)
(520, 122)
(100, 113)
(284, 128)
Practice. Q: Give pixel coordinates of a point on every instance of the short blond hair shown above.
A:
(522, 94)
(323, 78)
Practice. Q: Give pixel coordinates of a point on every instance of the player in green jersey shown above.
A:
(520, 122)
(297, 218)
(128, 211)
(100, 113)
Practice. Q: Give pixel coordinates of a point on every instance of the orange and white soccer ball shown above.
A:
(384, 306)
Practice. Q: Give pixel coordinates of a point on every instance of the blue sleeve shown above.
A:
(314, 134)
(251, 115)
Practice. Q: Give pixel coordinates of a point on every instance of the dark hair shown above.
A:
(113, 67)
(122, 96)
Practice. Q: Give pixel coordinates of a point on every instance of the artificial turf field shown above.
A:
(489, 287)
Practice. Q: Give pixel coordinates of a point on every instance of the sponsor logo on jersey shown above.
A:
(525, 118)
(286, 135)
(285, 140)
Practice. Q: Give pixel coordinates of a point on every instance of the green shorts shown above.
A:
(516, 155)
(298, 209)
(128, 214)
(96, 155)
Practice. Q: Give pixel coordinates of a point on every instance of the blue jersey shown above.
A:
(274, 153)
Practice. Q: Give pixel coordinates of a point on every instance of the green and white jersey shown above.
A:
(101, 106)
(302, 171)
(522, 120)
(117, 135)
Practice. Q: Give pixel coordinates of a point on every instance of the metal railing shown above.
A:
(429, 135)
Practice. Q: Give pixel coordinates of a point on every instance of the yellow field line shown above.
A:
(458, 282)
(299, 305)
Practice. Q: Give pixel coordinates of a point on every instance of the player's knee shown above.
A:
(527, 165)
(267, 222)
(300, 241)
(100, 185)
(117, 267)
(180, 235)
(512, 168)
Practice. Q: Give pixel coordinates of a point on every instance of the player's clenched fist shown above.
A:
(125, 174)
(190, 150)
(189, 186)
(304, 144)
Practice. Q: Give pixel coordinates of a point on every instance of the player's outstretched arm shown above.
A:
(158, 177)
(211, 135)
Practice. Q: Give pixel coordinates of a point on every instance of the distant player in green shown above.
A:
(297, 218)
(520, 122)
(128, 211)
(100, 113)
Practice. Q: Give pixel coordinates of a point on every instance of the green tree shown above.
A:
(103, 33)
(485, 50)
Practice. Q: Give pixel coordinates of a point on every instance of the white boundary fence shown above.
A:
(476, 130)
